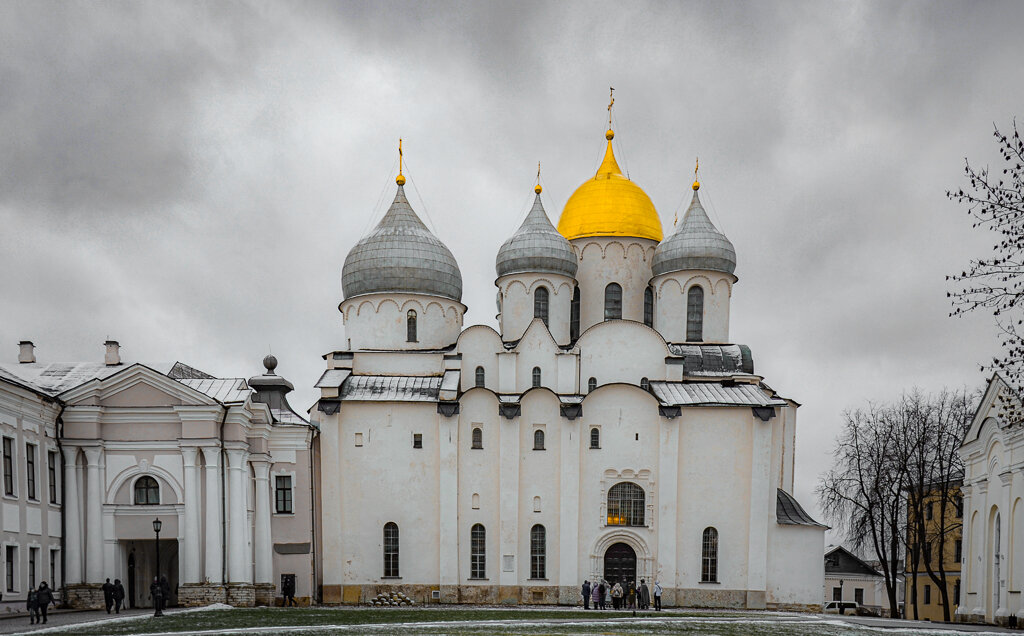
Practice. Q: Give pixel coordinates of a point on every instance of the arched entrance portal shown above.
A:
(620, 564)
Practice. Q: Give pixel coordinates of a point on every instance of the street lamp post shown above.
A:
(158, 592)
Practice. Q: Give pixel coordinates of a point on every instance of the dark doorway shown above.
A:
(620, 564)
(131, 580)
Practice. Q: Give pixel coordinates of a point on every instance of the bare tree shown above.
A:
(996, 203)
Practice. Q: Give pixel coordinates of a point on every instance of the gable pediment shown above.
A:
(136, 386)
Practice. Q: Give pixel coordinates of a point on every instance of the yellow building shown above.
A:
(943, 540)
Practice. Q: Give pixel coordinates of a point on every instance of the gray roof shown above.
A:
(696, 244)
(224, 390)
(401, 255)
(713, 360)
(789, 512)
(391, 388)
(536, 247)
(712, 394)
(332, 378)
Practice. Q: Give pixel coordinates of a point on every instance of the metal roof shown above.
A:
(789, 512)
(712, 394)
(332, 378)
(401, 255)
(390, 388)
(536, 247)
(696, 244)
(56, 377)
(705, 359)
(224, 390)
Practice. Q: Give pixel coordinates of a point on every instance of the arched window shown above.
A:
(649, 307)
(626, 505)
(538, 440)
(478, 438)
(709, 556)
(536, 376)
(538, 552)
(410, 326)
(540, 304)
(477, 552)
(479, 376)
(591, 385)
(645, 384)
(595, 438)
(613, 301)
(390, 549)
(695, 314)
(147, 492)
(574, 315)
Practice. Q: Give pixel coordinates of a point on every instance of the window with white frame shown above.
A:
(11, 567)
(33, 561)
(9, 467)
(51, 474)
(283, 494)
(147, 491)
(54, 568)
(30, 470)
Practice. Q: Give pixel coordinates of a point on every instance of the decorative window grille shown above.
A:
(538, 552)
(574, 315)
(147, 492)
(283, 494)
(540, 304)
(477, 552)
(390, 549)
(536, 376)
(626, 505)
(613, 302)
(649, 307)
(410, 326)
(480, 376)
(478, 438)
(595, 438)
(695, 314)
(709, 556)
(538, 440)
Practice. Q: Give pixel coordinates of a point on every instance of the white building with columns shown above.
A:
(225, 464)
(609, 429)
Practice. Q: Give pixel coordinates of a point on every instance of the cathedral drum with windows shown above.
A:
(608, 430)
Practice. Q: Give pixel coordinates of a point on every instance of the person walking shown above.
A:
(586, 594)
(288, 591)
(44, 597)
(617, 596)
(657, 596)
(32, 605)
(157, 592)
(108, 595)
(645, 596)
(118, 596)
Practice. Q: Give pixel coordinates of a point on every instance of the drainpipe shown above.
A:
(223, 509)
(59, 433)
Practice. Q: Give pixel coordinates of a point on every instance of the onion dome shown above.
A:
(696, 244)
(401, 255)
(536, 247)
(609, 205)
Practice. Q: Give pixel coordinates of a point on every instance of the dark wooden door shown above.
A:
(620, 564)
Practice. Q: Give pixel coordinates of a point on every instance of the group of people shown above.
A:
(160, 590)
(38, 602)
(628, 596)
(113, 595)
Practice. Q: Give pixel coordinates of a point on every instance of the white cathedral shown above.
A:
(610, 429)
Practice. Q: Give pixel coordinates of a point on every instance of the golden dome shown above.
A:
(609, 205)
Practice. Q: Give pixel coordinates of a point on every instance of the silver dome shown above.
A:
(536, 247)
(401, 255)
(696, 244)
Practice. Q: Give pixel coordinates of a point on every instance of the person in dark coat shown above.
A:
(645, 595)
(165, 586)
(157, 592)
(601, 590)
(108, 595)
(586, 594)
(631, 595)
(32, 605)
(44, 597)
(118, 596)
(288, 591)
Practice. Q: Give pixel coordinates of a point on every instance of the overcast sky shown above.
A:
(187, 178)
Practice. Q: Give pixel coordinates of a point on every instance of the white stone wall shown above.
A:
(671, 291)
(604, 260)
(517, 304)
(378, 321)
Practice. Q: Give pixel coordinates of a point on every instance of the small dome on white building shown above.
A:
(536, 247)
(696, 244)
(401, 255)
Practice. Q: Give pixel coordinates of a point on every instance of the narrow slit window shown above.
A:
(410, 326)
(709, 556)
(695, 314)
(645, 384)
(574, 315)
(417, 440)
(649, 307)
(480, 376)
(591, 385)
(595, 438)
(477, 552)
(540, 304)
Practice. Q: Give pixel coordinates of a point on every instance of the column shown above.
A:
(264, 556)
(73, 519)
(214, 538)
(191, 572)
(237, 527)
(94, 567)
